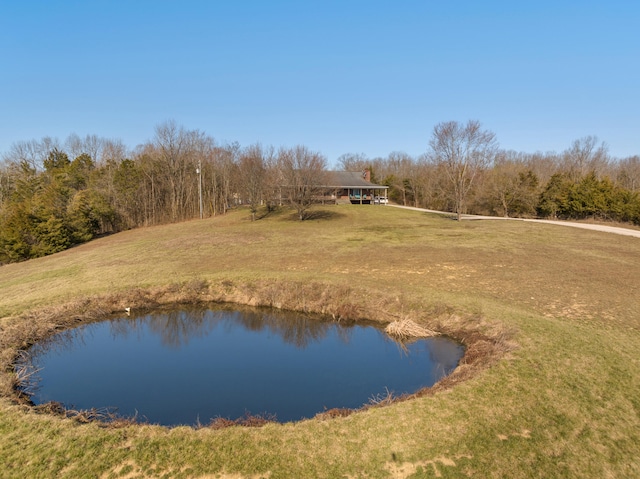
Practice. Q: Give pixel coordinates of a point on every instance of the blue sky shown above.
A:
(340, 77)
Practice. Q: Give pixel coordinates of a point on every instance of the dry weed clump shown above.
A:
(103, 416)
(404, 329)
(485, 343)
(334, 412)
(248, 420)
(383, 399)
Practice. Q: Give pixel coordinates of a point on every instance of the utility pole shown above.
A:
(199, 171)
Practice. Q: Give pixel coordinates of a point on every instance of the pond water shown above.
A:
(190, 366)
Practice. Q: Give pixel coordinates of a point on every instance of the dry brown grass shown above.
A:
(550, 317)
(404, 329)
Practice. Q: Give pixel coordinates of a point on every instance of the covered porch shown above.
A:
(356, 188)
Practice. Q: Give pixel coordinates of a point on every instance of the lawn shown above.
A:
(550, 386)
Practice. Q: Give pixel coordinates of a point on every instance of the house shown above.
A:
(355, 187)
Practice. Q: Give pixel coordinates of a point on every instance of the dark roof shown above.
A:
(350, 179)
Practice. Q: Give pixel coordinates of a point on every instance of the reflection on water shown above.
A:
(176, 328)
(181, 367)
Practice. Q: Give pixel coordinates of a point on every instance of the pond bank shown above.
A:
(483, 345)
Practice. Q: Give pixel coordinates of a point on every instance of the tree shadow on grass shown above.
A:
(288, 214)
(319, 215)
(269, 213)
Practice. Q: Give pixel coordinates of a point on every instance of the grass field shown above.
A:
(551, 315)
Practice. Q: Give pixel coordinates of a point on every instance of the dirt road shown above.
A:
(603, 228)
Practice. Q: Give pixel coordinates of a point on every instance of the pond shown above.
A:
(191, 366)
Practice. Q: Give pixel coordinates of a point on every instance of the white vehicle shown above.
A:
(380, 200)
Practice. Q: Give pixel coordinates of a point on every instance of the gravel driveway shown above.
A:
(586, 226)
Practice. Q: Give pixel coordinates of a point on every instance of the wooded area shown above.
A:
(54, 195)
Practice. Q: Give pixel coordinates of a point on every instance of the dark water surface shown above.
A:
(191, 366)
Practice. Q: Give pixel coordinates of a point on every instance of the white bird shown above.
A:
(128, 310)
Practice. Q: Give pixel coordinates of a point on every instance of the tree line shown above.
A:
(55, 195)
(464, 171)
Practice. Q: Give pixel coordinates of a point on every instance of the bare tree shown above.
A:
(172, 147)
(354, 161)
(7, 179)
(420, 182)
(430, 185)
(463, 151)
(202, 147)
(147, 175)
(252, 177)
(585, 156)
(33, 152)
(303, 177)
(543, 165)
(91, 145)
(400, 168)
(223, 177)
(510, 187)
(73, 145)
(112, 150)
(629, 173)
(272, 186)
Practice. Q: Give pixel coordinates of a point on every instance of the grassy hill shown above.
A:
(550, 386)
